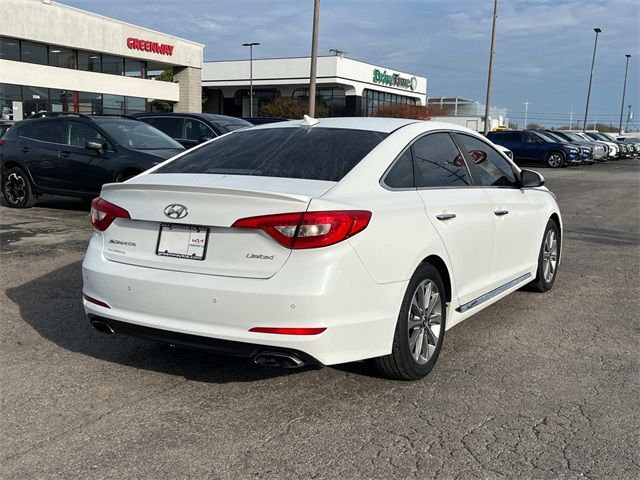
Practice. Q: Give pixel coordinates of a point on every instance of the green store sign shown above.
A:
(394, 80)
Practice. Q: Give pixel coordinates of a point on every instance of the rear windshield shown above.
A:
(310, 153)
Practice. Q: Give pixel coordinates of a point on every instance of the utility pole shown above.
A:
(490, 75)
(624, 88)
(250, 45)
(314, 58)
(593, 61)
(526, 113)
(628, 118)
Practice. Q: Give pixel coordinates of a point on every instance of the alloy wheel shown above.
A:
(425, 320)
(550, 256)
(15, 187)
(554, 160)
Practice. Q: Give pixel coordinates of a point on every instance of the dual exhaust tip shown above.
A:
(265, 359)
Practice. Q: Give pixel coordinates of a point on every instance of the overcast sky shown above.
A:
(543, 47)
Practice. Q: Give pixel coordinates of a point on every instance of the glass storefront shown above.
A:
(373, 99)
(36, 99)
(333, 98)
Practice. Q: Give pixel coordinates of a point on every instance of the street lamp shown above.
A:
(593, 61)
(624, 88)
(250, 45)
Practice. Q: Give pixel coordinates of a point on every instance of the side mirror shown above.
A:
(204, 138)
(97, 146)
(530, 179)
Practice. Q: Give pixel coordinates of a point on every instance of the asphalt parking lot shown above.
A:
(535, 386)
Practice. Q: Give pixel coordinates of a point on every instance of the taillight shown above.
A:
(289, 330)
(309, 229)
(103, 213)
(2, 142)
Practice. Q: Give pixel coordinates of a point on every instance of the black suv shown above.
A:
(76, 154)
(191, 129)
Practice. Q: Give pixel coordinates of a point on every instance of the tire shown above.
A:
(17, 189)
(556, 160)
(126, 175)
(403, 363)
(543, 281)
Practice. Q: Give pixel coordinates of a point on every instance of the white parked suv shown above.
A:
(323, 241)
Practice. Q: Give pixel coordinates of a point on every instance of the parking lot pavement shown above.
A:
(535, 386)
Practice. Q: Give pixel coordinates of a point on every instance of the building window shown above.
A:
(332, 98)
(8, 94)
(135, 105)
(63, 100)
(373, 99)
(89, 103)
(62, 57)
(112, 65)
(34, 53)
(261, 97)
(89, 61)
(9, 49)
(134, 68)
(113, 104)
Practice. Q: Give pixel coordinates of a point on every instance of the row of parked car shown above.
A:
(561, 148)
(75, 154)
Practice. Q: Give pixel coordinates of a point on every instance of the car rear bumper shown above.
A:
(329, 289)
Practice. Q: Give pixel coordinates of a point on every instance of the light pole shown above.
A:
(526, 113)
(250, 45)
(571, 113)
(314, 58)
(490, 76)
(624, 90)
(593, 61)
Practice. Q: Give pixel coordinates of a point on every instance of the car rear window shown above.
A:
(310, 153)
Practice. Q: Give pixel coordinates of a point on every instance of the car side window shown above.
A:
(488, 166)
(45, 130)
(195, 129)
(530, 138)
(401, 174)
(79, 133)
(438, 162)
(172, 126)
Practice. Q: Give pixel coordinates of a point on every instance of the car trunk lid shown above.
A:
(213, 203)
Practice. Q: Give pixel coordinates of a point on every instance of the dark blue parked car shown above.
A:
(534, 146)
(76, 154)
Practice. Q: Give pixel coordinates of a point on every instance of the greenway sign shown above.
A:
(394, 80)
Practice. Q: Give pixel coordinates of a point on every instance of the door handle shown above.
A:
(24, 150)
(446, 216)
(65, 154)
(500, 213)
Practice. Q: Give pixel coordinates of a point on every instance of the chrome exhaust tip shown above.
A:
(103, 327)
(278, 359)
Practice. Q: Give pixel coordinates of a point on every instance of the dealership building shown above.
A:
(345, 87)
(58, 58)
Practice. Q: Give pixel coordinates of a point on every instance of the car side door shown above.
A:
(40, 152)
(88, 168)
(172, 126)
(515, 210)
(535, 147)
(195, 132)
(461, 213)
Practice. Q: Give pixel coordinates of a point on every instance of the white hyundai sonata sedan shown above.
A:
(320, 241)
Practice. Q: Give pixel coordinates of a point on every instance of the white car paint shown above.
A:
(354, 288)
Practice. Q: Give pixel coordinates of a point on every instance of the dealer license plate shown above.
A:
(182, 241)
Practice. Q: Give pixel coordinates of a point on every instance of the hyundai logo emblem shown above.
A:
(176, 211)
